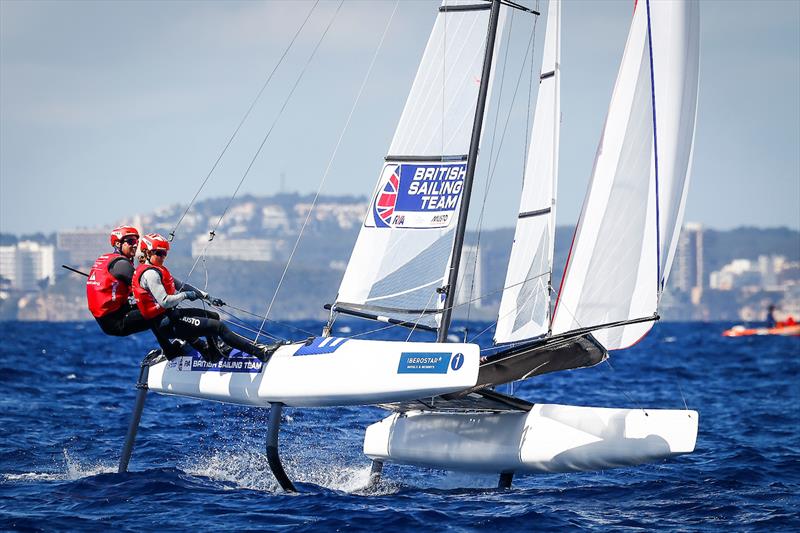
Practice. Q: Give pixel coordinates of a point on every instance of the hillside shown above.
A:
(319, 260)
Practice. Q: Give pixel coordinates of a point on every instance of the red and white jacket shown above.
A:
(105, 293)
(148, 305)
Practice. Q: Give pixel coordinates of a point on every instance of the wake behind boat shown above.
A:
(405, 269)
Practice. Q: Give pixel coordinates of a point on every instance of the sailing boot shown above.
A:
(205, 350)
(266, 350)
(221, 346)
(214, 353)
(153, 357)
(261, 352)
(173, 349)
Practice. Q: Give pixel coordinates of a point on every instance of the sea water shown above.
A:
(68, 391)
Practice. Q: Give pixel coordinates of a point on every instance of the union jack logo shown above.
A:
(385, 200)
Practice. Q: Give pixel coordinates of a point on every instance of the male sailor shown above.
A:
(109, 287)
(771, 321)
(158, 293)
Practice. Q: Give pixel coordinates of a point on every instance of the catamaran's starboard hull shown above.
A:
(325, 372)
(548, 438)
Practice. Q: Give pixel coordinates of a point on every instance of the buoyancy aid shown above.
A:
(148, 305)
(105, 293)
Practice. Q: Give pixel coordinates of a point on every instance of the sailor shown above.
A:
(158, 293)
(771, 322)
(108, 288)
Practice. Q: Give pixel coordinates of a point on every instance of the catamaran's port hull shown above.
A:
(325, 372)
(548, 438)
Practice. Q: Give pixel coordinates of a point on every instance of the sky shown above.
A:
(113, 108)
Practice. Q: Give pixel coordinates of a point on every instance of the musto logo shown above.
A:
(191, 321)
(417, 195)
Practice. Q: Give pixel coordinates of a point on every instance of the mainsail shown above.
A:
(628, 230)
(525, 304)
(401, 258)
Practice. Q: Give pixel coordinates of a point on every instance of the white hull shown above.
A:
(329, 372)
(549, 438)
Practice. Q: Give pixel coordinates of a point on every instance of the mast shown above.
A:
(472, 158)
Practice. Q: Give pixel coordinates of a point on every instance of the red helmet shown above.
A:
(153, 241)
(121, 232)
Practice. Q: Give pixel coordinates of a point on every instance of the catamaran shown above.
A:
(405, 268)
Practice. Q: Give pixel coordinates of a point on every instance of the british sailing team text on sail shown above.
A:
(438, 187)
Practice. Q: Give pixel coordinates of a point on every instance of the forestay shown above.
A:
(631, 217)
(525, 304)
(404, 248)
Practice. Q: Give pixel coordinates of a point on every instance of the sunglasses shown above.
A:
(160, 253)
(132, 241)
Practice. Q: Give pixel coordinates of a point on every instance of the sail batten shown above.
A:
(525, 303)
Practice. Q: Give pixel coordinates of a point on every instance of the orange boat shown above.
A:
(788, 328)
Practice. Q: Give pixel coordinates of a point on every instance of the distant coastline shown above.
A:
(728, 275)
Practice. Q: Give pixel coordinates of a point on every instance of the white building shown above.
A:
(235, 249)
(82, 247)
(27, 266)
(344, 215)
(274, 217)
(688, 272)
(8, 266)
(736, 274)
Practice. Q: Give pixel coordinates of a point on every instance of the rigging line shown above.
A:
(513, 99)
(212, 233)
(205, 271)
(284, 324)
(680, 389)
(421, 315)
(625, 392)
(241, 122)
(530, 90)
(330, 162)
(513, 309)
(239, 323)
(491, 155)
(574, 318)
(490, 177)
(480, 297)
(390, 326)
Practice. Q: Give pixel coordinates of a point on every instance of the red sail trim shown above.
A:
(566, 268)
